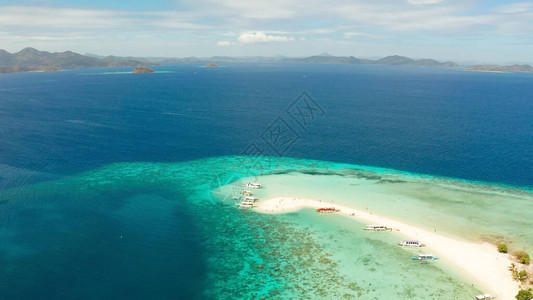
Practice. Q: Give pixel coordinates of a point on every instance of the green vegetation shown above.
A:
(518, 275)
(522, 275)
(514, 273)
(522, 257)
(524, 295)
(502, 248)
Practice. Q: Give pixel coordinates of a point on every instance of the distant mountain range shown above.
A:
(389, 60)
(324, 58)
(30, 59)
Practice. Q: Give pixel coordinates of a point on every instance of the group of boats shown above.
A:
(422, 258)
(248, 200)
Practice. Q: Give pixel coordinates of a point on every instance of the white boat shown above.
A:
(377, 227)
(410, 243)
(245, 204)
(253, 185)
(246, 193)
(484, 297)
(425, 257)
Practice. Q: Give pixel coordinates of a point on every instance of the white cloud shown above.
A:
(66, 18)
(255, 37)
(259, 9)
(515, 8)
(209, 26)
(225, 43)
(351, 34)
(260, 37)
(424, 2)
(417, 19)
(63, 18)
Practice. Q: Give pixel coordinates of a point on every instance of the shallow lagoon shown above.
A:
(167, 230)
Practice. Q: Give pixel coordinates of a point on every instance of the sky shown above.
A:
(457, 30)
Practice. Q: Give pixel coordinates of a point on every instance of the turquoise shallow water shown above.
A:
(163, 230)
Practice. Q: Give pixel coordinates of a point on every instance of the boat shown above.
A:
(246, 193)
(253, 185)
(484, 297)
(424, 258)
(328, 210)
(245, 204)
(377, 228)
(410, 243)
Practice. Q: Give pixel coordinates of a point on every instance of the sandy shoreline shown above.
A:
(479, 261)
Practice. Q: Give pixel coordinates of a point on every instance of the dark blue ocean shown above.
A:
(444, 122)
(441, 122)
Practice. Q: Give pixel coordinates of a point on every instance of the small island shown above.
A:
(17, 69)
(142, 70)
(212, 65)
(498, 68)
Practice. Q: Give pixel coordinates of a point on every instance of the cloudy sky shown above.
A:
(458, 30)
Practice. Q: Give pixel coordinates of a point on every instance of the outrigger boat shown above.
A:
(246, 193)
(253, 185)
(484, 297)
(377, 228)
(328, 210)
(425, 258)
(411, 243)
(247, 202)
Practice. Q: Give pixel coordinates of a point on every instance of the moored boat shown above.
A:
(411, 243)
(484, 297)
(425, 257)
(328, 210)
(245, 204)
(253, 185)
(377, 228)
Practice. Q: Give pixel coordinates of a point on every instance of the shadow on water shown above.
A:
(136, 246)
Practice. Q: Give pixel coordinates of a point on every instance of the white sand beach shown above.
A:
(480, 261)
